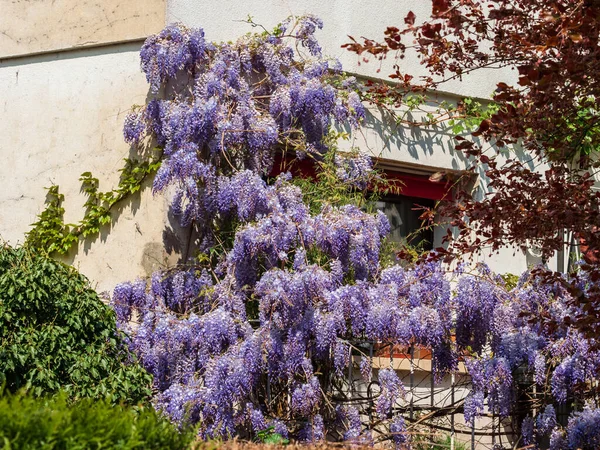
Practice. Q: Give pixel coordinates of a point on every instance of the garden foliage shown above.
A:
(45, 423)
(52, 235)
(258, 333)
(550, 112)
(56, 334)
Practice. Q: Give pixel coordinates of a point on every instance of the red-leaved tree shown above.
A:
(551, 113)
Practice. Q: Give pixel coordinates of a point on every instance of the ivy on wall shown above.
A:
(51, 234)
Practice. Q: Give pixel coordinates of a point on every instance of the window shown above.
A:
(403, 213)
(417, 189)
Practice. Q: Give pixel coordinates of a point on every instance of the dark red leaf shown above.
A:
(483, 127)
(410, 18)
(439, 7)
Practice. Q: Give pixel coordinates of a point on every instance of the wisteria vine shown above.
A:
(261, 336)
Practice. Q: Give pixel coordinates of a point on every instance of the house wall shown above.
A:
(69, 72)
(34, 26)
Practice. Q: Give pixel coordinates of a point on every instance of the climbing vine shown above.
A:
(264, 334)
(51, 234)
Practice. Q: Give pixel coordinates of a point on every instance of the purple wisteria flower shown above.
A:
(354, 170)
(398, 431)
(583, 430)
(527, 430)
(546, 420)
(392, 390)
(255, 333)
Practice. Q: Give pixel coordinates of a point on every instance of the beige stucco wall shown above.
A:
(224, 20)
(62, 111)
(36, 26)
(61, 115)
(69, 73)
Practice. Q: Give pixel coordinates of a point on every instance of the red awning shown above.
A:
(421, 186)
(410, 185)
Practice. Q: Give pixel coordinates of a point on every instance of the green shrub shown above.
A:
(57, 334)
(54, 423)
(443, 443)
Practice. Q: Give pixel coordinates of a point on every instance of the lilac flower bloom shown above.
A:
(563, 377)
(354, 170)
(349, 416)
(558, 440)
(398, 431)
(257, 419)
(425, 326)
(341, 357)
(306, 397)
(121, 302)
(314, 429)
(366, 368)
(583, 430)
(307, 26)
(473, 406)
(475, 303)
(391, 391)
(134, 127)
(173, 49)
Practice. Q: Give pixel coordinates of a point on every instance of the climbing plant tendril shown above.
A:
(259, 331)
(52, 235)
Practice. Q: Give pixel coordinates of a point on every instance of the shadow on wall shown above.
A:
(432, 145)
(176, 240)
(85, 52)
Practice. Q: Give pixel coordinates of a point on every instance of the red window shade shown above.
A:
(303, 168)
(411, 185)
(421, 186)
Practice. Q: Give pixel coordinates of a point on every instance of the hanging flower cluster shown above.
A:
(262, 337)
(228, 107)
(558, 359)
(211, 362)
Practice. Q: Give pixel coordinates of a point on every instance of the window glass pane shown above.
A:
(403, 214)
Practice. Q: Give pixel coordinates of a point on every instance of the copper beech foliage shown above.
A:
(551, 113)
